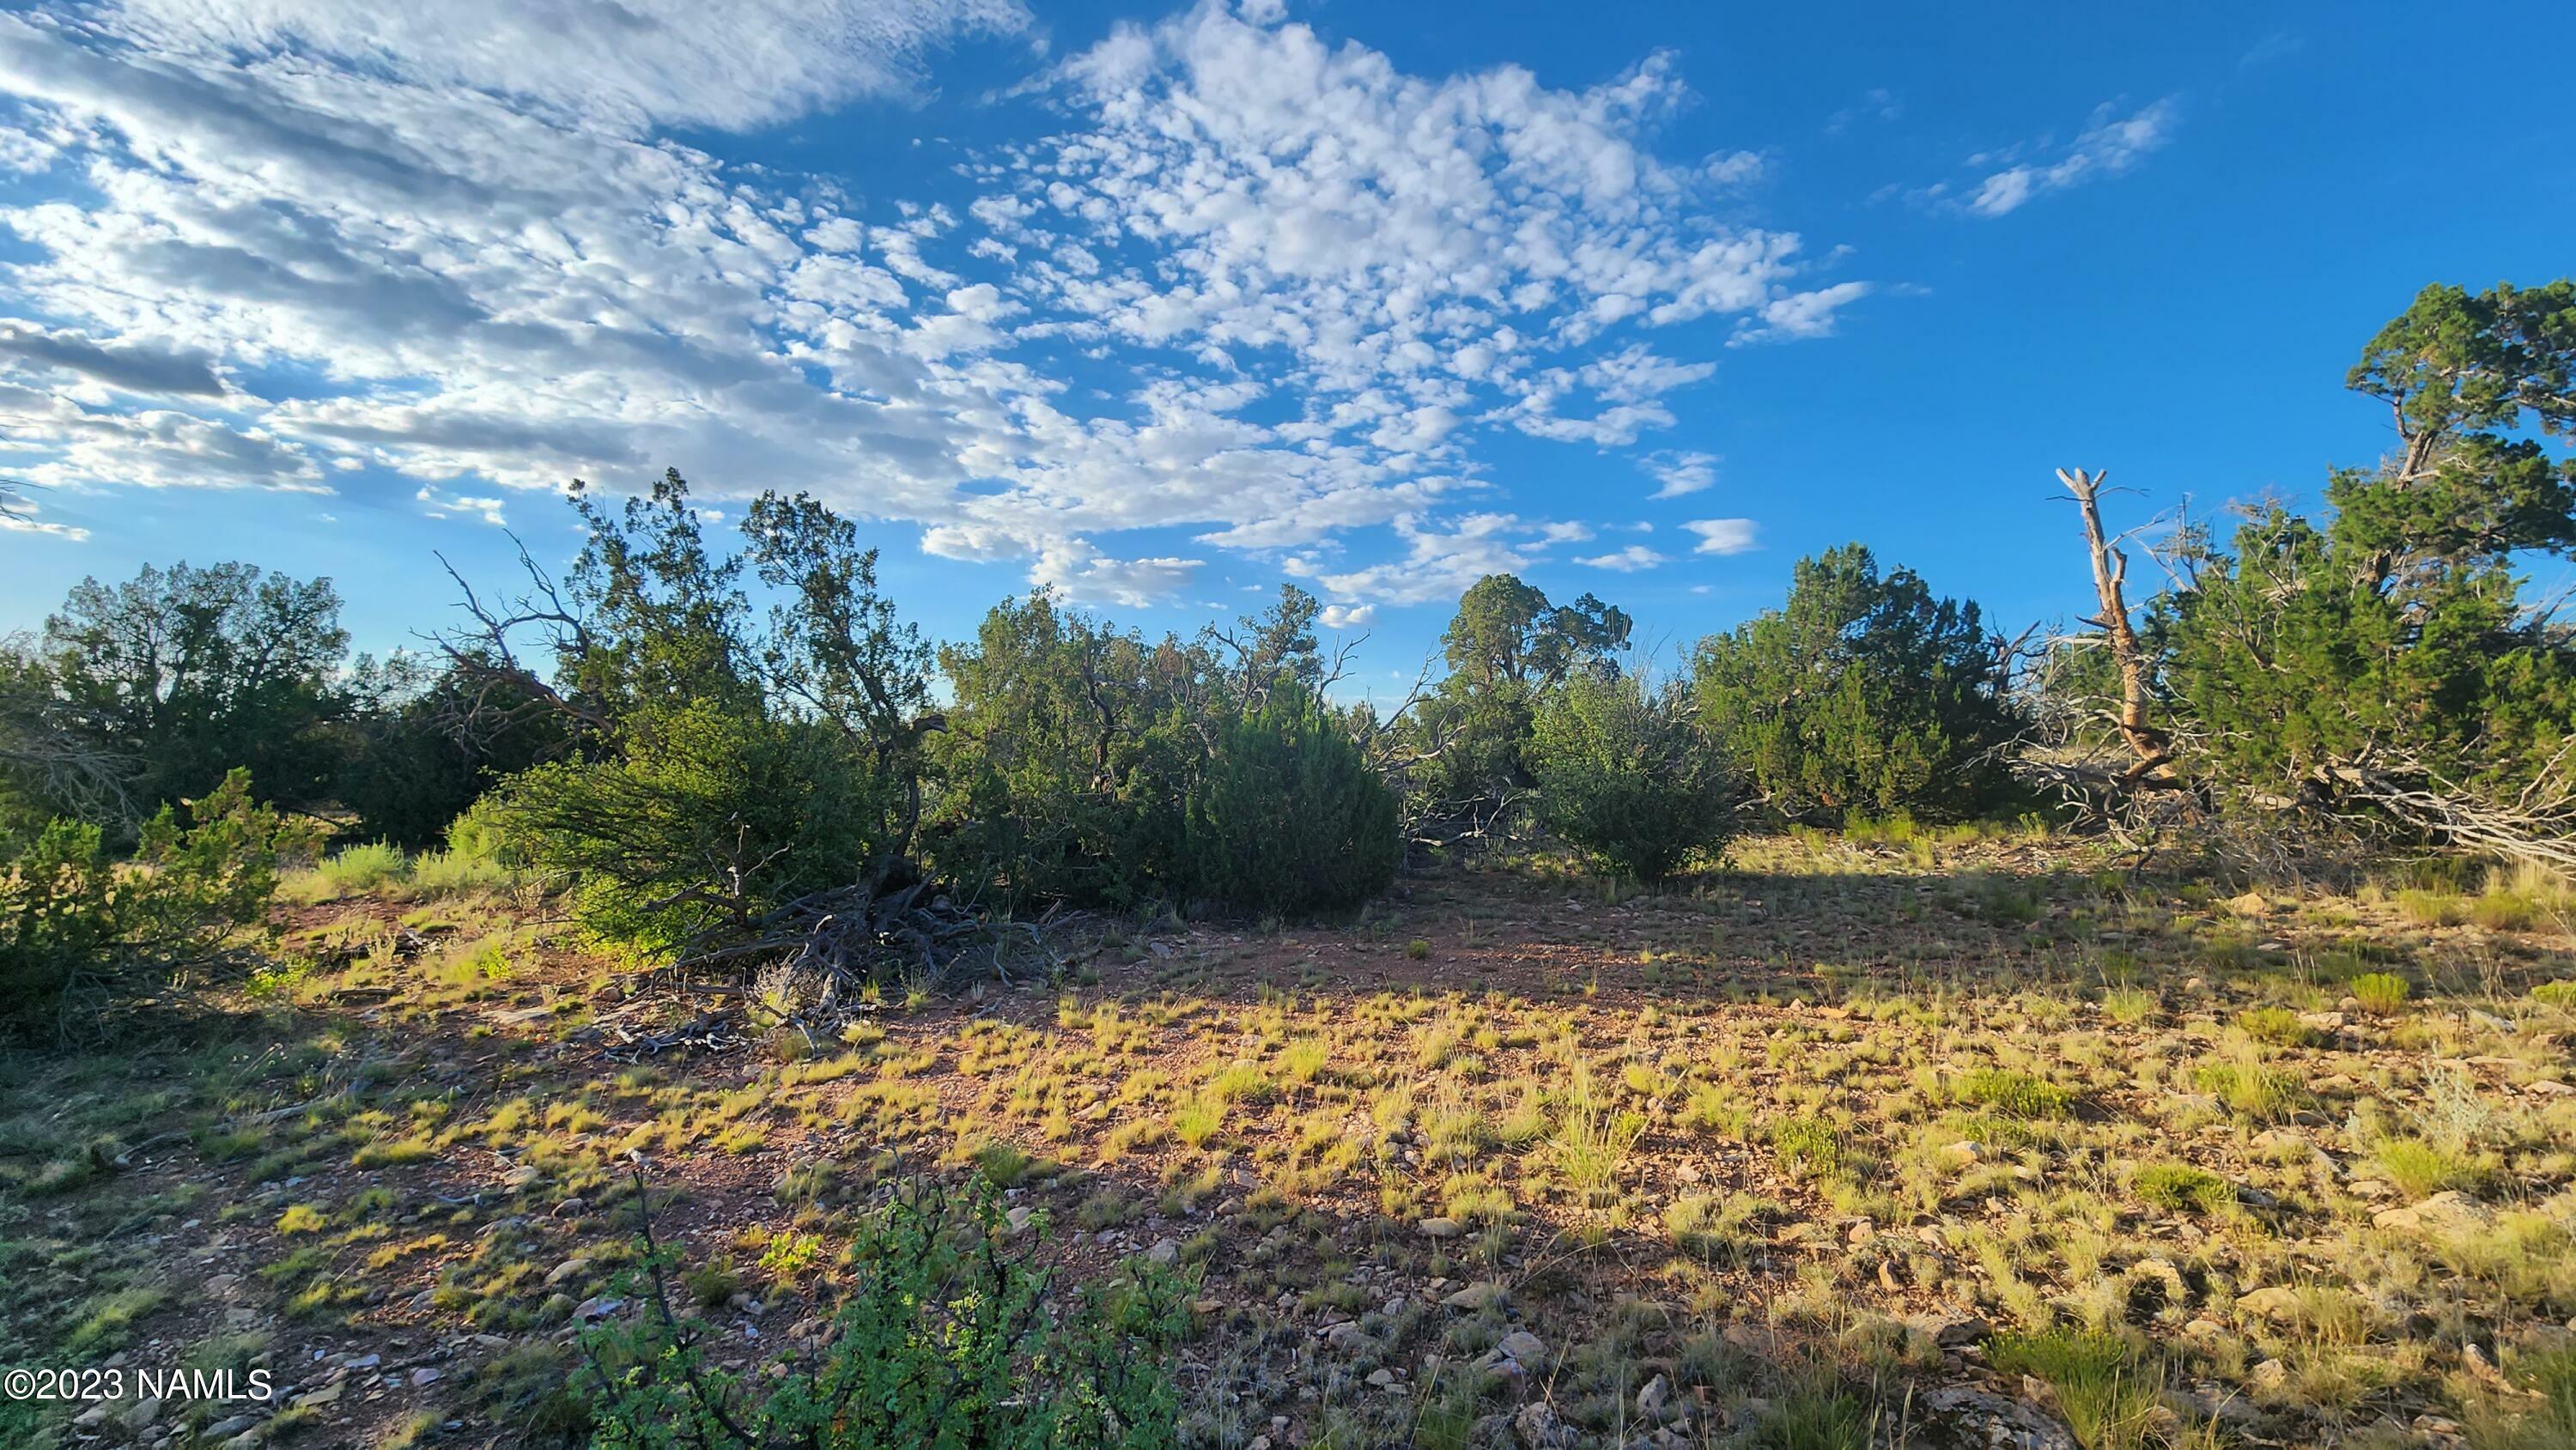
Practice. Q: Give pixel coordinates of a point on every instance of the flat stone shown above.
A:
(1441, 1228)
(1164, 1251)
(1971, 1417)
(596, 1308)
(1652, 1399)
(1476, 1298)
(2448, 1211)
(2275, 1303)
(1523, 1347)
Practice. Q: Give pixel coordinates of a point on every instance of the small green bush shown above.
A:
(945, 1336)
(2249, 1088)
(2278, 1026)
(1288, 817)
(1807, 1147)
(2016, 1094)
(351, 871)
(79, 932)
(1625, 777)
(2380, 993)
(2181, 1188)
(2561, 995)
(2109, 1401)
(2419, 1169)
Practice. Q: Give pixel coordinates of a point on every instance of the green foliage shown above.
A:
(1624, 775)
(79, 931)
(2380, 993)
(710, 818)
(2179, 1187)
(726, 769)
(180, 675)
(1818, 1418)
(945, 1337)
(1066, 757)
(425, 745)
(2383, 661)
(2109, 1401)
(1509, 649)
(1288, 816)
(2278, 1026)
(1862, 693)
(2016, 1094)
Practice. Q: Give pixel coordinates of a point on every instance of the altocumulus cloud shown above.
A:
(1302, 286)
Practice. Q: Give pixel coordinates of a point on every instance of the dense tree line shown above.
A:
(725, 750)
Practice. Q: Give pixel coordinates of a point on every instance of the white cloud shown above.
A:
(1343, 616)
(1722, 536)
(2110, 144)
(1801, 314)
(1303, 284)
(631, 63)
(1678, 474)
(440, 505)
(1626, 561)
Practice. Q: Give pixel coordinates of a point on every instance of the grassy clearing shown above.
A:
(2202, 1168)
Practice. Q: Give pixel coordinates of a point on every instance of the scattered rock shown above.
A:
(573, 1207)
(1953, 1330)
(1441, 1228)
(596, 1308)
(1164, 1251)
(2449, 1211)
(424, 1377)
(1652, 1400)
(1018, 1218)
(572, 1268)
(1522, 1347)
(2271, 1374)
(1476, 1298)
(1971, 1417)
(327, 1395)
(1349, 1338)
(2273, 1302)
(1538, 1428)
(1382, 1378)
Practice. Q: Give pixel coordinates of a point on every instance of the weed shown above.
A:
(2179, 1187)
(2016, 1094)
(2108, 1401)
(2380, 994)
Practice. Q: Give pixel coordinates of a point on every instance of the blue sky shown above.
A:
(1161, 306)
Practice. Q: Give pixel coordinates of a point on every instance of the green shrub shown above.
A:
(2249, 1088)
(2433, 908)
(2561, 995)
(2380, 993)
(945, 1336)
(1818, 1418)
(1862, 692)
(2016, 1094)
(1807, 1147)
(710, 818)
(2419, 1169)
(2108, 1401)
(352, 871)
(1288, 816)
(2276, 1025)
(79, 932)
(1625, 777)
(2179, 1188)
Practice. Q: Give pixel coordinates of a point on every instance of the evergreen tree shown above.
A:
(1863, 692)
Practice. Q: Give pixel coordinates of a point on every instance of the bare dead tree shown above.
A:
(2149, 743)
